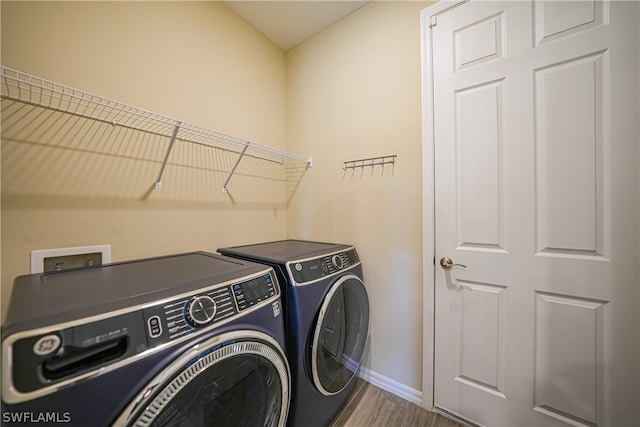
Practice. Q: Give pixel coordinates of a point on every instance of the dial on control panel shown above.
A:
(202, 310)
(337, 261)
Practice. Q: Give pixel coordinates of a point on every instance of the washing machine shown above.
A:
(190, 340)
(327, 321)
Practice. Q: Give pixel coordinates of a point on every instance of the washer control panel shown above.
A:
(49, 357)
(181, 316)
(309, 270)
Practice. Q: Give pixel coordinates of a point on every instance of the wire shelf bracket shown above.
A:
(166, 156)
(233, 169)
(32, 90)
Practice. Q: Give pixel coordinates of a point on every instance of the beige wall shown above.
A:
(67, 182)
(353, 92)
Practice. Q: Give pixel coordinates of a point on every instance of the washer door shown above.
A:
(340, 335)
(235, 379)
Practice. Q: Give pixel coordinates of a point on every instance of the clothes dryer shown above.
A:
(327, 321)
(192, 339)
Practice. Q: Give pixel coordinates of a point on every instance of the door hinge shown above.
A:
(434, 21)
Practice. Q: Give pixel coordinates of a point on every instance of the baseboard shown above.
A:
(392, 386)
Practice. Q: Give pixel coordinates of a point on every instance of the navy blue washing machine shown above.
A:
(326, 317)
(192, 339)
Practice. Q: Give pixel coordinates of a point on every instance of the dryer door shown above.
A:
(340, 335)
(235, 379)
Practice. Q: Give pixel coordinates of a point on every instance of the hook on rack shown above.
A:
(370, 162)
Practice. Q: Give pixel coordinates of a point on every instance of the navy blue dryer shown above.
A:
(327, 321)
(193, 340)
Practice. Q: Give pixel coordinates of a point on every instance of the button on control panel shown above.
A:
(155, 326)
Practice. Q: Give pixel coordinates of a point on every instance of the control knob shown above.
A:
(337, 261)
(201, 309)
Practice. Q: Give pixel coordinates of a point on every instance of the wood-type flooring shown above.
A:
(370, 406)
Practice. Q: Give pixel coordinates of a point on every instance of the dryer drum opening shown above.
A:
(333, 336)
(340, 335)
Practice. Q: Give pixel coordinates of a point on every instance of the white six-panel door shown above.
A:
(535, 139)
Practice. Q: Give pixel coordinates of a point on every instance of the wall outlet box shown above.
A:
(65, 258)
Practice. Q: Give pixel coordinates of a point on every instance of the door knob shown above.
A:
(447, 263)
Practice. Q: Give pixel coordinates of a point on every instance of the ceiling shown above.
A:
(287, 23)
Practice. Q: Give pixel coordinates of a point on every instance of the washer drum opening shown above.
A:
(236, 379)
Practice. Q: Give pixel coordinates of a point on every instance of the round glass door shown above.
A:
(340, 335)
(243, 383)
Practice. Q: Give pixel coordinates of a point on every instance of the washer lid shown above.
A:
(42, 299)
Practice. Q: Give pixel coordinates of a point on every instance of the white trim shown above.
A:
(407, 393)
(428, 197)
(427, 21)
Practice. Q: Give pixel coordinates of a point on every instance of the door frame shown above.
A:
(428, 18)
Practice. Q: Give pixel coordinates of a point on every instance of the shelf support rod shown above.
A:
(166, 155)
(233, 169)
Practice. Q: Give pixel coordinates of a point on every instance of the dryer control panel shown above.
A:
(310, 270)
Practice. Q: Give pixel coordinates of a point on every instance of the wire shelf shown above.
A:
(33, 90)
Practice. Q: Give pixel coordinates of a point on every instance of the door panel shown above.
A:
(568, 353)
(568, 124)
(536, 158)
(555, 19)
(478, 156)
(481, 336)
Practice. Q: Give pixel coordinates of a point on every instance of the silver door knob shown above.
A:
(447, 263)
